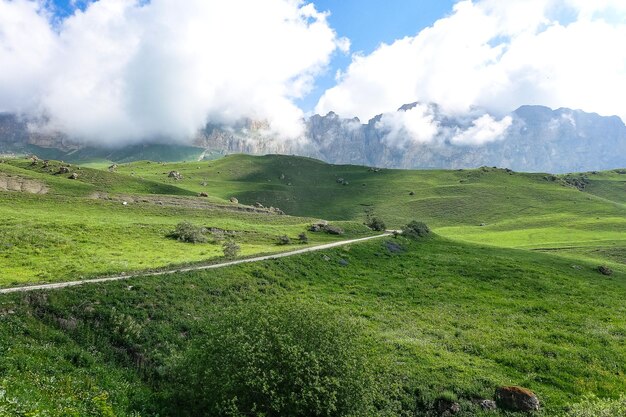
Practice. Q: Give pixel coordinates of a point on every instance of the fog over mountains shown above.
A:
(532, 138)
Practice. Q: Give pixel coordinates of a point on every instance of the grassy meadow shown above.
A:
(82, 229)
(486, 205)
(439, 316)
(506, 291)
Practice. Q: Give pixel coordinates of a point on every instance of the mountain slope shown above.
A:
(487, 205)
(531, 139)
(442, 316)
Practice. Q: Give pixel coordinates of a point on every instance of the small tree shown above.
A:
(187, 232)
(416, 230)
(372, 221)
(284, 240)
(303, 238)
(375, 223)
(231, 249)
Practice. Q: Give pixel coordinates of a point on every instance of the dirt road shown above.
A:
(193, 268)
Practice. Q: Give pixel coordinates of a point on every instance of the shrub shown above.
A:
(231, 249)
(416, 230)
(303, 238)
(284, 240)
(375, 223)
(275, 360)
(187, 232)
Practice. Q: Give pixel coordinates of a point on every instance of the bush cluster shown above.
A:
(187, 232)
(416, 230)
(376, 223)
(284, 240)
(279, 360)
(231, 249)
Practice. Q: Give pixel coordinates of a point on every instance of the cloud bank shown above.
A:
(121, 71)
(495, 55)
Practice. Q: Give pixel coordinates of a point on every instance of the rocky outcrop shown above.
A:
(537, 139)
(25, 185)
(176, 175)
(517, 399)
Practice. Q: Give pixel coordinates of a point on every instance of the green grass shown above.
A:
(69, 234)
(517, 209)
(509, 294)
(444, 316)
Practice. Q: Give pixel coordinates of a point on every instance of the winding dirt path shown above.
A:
(193, 268)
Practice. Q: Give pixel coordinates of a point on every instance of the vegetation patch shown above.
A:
(189, 233)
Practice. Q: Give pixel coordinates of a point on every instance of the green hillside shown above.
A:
(507, 292)
(486, 205)
(438, 316)
(82, 228)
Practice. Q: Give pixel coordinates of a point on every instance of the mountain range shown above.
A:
(532, 138)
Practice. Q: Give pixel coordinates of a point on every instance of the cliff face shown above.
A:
(536, 138)
(16, 135)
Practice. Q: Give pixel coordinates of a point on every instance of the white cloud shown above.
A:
(416, 124)
(126, 70)
(496, 55)
(27, 44)
(484, 130)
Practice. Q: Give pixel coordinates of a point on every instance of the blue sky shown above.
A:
(368, 23)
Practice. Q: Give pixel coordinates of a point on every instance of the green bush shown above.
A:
(416, 230)
(375, 223)
(231, 249)
(284, 240)
(594, 407)
(303, 238)
(275, 360)
(187, 232)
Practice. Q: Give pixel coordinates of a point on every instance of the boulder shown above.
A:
(517, 399)
(113, 167)
(203, 195)
(74, 176)
(488, 405)
(64, 170)
(446, 407)
(176, 175)
(605, 270)
(258, 205)
(234, 200)
(412, 193)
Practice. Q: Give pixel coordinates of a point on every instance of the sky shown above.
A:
(126, 71)
(368, 23)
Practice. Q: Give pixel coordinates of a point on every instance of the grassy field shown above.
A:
(81, 228)
(487, 205)
(441, 316)
(507, 292)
